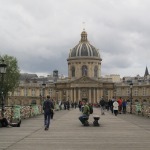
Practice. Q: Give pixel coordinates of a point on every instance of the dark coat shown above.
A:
(48, 106)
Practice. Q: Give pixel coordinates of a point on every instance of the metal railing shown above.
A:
(140, 109)
(21, 112)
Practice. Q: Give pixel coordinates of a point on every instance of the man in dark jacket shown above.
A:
(102, 105)
(47, 107)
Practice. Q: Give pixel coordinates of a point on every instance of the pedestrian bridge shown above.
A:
(122, 132)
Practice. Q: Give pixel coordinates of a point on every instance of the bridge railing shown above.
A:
(22, 112)
(140, 109)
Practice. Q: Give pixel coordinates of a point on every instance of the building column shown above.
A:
(79, 95)
(67, 94)
(101, 92)
(89, 95)
(94, 96)
(74, 95)
(98, 95)
(71, 94)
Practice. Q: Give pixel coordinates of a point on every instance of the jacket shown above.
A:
(48, 106)
(86, 110)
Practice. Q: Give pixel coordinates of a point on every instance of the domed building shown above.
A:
(84, 73)
(84, 60)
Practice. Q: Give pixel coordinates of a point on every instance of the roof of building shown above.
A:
(146, 72)
(84, 48)
(26, 76)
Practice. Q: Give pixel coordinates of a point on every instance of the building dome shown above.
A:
(84, 60)
(84, 48)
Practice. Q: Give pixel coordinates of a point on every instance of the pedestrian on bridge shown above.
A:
(48, 110)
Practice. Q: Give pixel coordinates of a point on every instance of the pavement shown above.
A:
(122, 132)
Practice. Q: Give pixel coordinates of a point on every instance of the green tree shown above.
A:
(11, 78)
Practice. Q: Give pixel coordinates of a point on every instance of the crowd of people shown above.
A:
(117, 106)
(49, 105)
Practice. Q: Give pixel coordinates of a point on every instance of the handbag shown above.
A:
(51, 111)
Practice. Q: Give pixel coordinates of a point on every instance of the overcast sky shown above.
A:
(40, 33)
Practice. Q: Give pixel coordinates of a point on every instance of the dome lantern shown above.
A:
(84, 37)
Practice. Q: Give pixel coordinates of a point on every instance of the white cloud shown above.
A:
(41, 33)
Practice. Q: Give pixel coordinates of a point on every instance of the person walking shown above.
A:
(120, 105)
(75, 105)
(124, 105)
(102, 105)
(111, 104)
(80, 105)
(115, 107)
(47, 107)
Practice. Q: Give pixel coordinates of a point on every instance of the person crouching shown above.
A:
(85, 114)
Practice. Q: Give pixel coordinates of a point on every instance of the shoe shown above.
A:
(45, 128)
(9, 126)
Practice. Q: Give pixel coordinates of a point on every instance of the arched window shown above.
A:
(73, 71)
(95, 71)
(84, 70)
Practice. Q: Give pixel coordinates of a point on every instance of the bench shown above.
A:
(96, 118)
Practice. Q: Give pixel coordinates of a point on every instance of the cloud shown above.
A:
(40, 34)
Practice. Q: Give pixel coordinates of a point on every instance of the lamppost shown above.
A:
(131, 86)
(40, 99)
(3, 67)
(56, 95)
(43, 90)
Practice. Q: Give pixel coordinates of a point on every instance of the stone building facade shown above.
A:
(140, 91)
(84, 81)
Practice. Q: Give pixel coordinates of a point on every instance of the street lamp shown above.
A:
(131, 86)
(43, 88)
(40, 99)
(57, 96)
(3, 67)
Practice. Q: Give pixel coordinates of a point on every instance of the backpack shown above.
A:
(90, 109)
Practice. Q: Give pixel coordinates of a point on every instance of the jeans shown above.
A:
(116, 112)
(81, 118)
(102, 110)
(47, 117)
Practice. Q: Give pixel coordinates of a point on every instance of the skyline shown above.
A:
(41, 34)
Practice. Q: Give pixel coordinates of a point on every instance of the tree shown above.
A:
(11, 78)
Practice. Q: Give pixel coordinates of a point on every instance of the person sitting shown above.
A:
(86, 112)
(3, 121)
